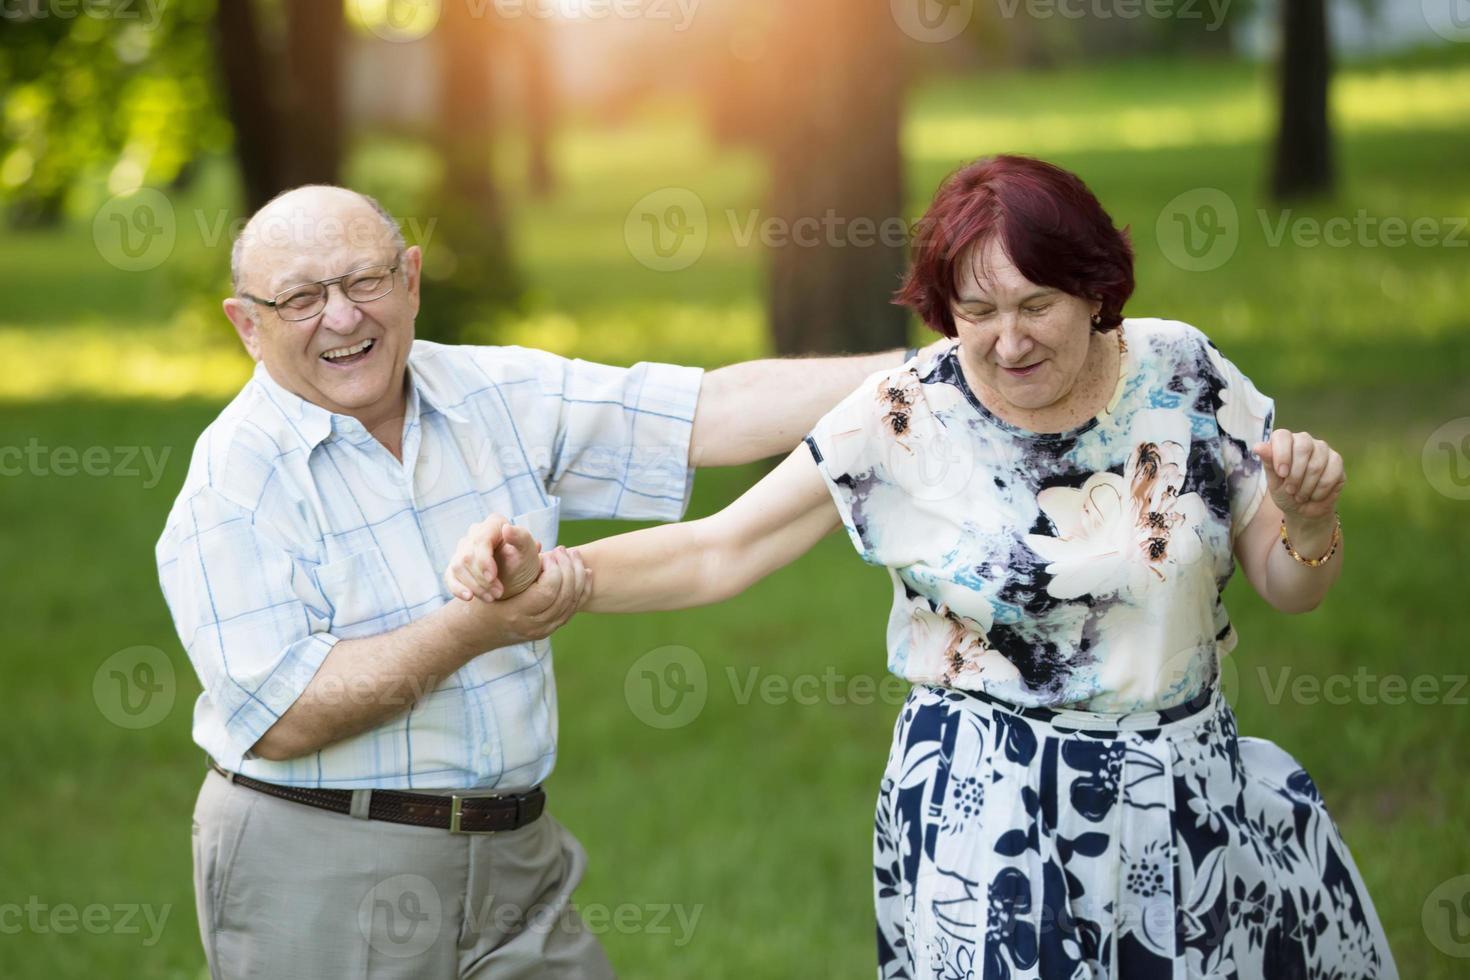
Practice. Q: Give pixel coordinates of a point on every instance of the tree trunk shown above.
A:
(314, 37)
(540, 102)
(250, 103)
(471, 251)
(836, 189)
(1303, 164)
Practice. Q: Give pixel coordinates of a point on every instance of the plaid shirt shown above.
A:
(296, 529)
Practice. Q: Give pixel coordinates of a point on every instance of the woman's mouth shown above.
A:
(1024, 372)
(348, 356)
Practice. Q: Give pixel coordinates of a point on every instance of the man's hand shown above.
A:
(535, 614)
(494, 560)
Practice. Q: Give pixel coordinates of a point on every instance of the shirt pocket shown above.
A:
(362, 596)
(543, 524)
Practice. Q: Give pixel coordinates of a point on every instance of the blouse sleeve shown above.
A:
(841, 443)
(1245, 417)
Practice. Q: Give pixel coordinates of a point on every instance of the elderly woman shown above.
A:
(1060, 499)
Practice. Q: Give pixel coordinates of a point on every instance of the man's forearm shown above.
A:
(764, 408)
(363, 683)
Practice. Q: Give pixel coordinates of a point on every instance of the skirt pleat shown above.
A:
(1029, 843)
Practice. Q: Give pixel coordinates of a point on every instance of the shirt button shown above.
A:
(486, 749)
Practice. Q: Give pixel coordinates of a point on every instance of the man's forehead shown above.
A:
(286, 267)
(294, 241)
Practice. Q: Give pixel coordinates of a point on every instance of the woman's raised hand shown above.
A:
(1304, 475)
(494, 560)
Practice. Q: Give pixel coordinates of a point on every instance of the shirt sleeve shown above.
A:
(1245, 417)
(621, 448)
(842, 445)
(248, 612)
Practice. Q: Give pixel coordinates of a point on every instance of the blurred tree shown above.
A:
(819, 87)
(107, 99)
(249, 100)
(1303, 159)
(470, 260)
(283, 90)
(538, 86)
(314, 41)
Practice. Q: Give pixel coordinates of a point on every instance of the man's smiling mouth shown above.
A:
(343, 356)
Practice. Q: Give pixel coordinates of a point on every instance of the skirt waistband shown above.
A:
(1189, 714)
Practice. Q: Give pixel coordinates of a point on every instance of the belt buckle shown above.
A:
(455, 809)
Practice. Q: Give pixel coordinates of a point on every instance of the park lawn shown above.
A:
(756, 815)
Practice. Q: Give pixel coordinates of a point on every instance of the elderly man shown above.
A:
(373, 806)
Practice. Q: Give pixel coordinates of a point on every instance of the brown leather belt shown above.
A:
(456, 814)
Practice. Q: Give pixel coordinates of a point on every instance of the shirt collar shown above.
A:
(313, 424)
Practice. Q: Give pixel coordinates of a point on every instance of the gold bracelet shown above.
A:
(1313, 562)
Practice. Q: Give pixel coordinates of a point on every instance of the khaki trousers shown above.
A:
(286, 890)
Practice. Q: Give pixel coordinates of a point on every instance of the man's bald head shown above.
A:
(311, 218)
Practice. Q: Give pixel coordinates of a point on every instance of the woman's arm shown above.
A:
(1304, 478)
(696, 563)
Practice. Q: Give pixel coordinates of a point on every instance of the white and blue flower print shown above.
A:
(1080, 568)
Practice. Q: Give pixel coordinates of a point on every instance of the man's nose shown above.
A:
(340, 315)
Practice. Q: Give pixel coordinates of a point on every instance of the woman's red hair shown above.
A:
(1050, 225)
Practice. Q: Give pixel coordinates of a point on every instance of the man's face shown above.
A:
(323, 236)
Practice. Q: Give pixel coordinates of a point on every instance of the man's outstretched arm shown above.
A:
(764, 408)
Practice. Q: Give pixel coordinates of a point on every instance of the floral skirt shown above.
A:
(1025, 842)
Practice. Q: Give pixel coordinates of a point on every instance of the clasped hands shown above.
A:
(499, 566)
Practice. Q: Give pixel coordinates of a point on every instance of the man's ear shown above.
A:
(413, 267)
(239, 313)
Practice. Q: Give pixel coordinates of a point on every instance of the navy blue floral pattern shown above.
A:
(1066, 845)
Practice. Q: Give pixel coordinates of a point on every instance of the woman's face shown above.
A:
(1026, 344)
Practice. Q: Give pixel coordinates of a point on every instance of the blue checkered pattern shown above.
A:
(296, 529)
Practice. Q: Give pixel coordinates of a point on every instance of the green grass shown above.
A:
(758, 813)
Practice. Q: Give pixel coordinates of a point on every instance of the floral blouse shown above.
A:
(1080, 569)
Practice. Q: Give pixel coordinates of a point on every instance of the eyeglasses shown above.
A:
(306, 300)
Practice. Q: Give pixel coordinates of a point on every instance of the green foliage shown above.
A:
(101, 98)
